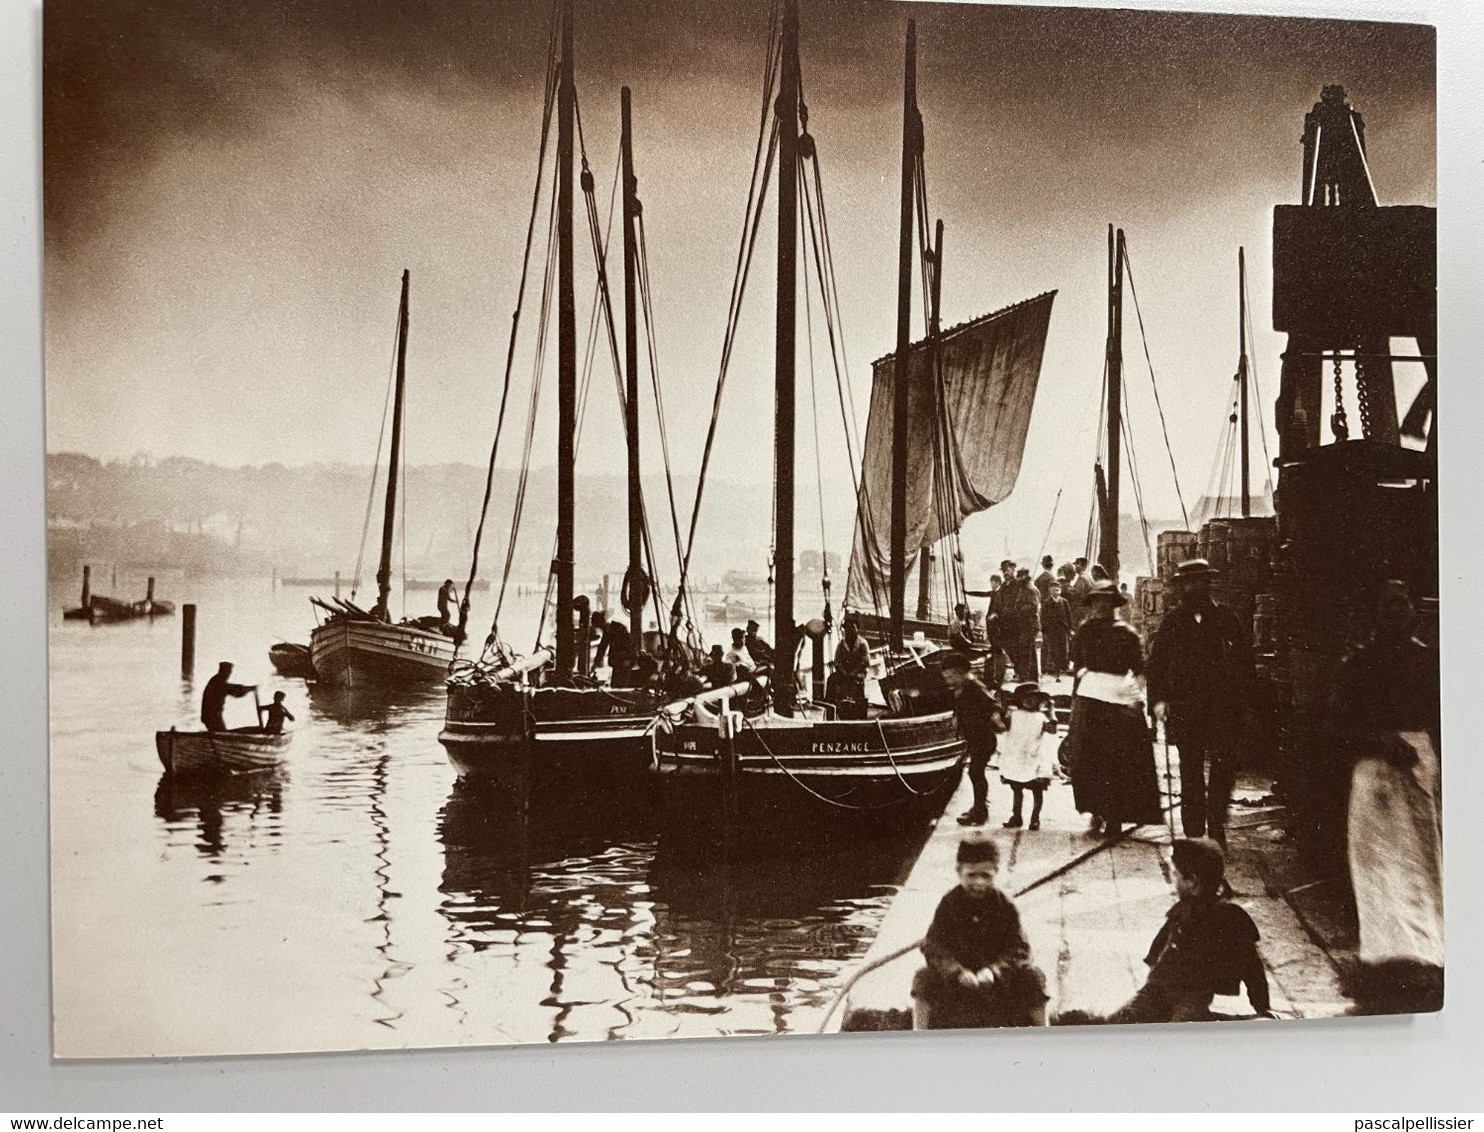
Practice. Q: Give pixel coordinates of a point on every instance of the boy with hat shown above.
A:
(1207, 946)
(979, 970)
(980, 720)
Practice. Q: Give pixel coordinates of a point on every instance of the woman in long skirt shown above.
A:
(1386, 703)
(1112, 764)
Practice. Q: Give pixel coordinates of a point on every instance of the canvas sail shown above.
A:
(990, 369)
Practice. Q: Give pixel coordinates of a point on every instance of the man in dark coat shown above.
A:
(1046, 578)
(214, 697)
(1025, 624)
(759, 649)
(1056, 631)
(1200, 685)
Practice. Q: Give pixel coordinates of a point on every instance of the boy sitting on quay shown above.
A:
(979, 970)
(1207, 946)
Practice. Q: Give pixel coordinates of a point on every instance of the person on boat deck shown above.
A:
(994, 626)
(961, 630)
(759, 649)
(716, 670)
(979, 970)
(614, 646)
(1206, 946)
(1387, 713)
(852, 663)
(1046, 578)
(1200, 685)
(1056, 631)
(980, 720)
(214, 698)
(448, 600)
(738, 657)
(274, 715)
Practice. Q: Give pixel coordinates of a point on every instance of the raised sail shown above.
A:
(990, 370)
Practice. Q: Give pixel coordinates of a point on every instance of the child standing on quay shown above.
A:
(979, 970)
(1024, 763)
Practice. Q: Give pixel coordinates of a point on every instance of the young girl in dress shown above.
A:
(1025, 763)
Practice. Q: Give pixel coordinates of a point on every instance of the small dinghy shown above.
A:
(239, 751)
(292, 660)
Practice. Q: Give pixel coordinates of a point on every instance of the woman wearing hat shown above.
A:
(1112, 764)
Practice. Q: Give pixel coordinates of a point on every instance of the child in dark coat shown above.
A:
(1207, 946)
(979, 970)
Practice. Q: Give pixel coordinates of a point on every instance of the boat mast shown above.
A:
(389, 516)
(935, 326)
(1108, 543)
(566, 358)
(1242, 375)
(911, 139)
(631, 367)
(787, 110)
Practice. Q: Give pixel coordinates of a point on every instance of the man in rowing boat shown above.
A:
(214, 698)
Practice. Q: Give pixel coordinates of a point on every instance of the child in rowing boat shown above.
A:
(274, 715)
(1024, 763)
(979, 970)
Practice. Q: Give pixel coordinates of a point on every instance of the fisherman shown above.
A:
(716, 670)
(738, 657)
(979, 970)
(980, 720)
(847, 686)
(994, 626)
(1200, 685)
(1077, 596)
(448, 599)
(961, 630)
(1046, 578)
(759, 649)
(614, 646)
(214, 697)
(1056, 631)
(1025, 624)
(274, 714)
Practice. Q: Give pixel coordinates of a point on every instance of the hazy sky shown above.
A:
(232, 190)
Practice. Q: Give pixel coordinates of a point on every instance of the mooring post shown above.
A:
(337, 585)
(87, 586)
(149, 593)
(113, 583)
(188, 641)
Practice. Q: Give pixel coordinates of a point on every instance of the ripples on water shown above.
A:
(363, 898)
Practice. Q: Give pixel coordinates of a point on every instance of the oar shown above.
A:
(258, 704)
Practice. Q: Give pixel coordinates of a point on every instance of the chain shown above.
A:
(1364, 393)
(1339, 424)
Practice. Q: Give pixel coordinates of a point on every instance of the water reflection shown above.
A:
(242, 808)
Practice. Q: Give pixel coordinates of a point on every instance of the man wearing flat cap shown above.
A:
(1200, 687)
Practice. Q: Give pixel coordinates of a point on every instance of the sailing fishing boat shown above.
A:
(546, 721)
(799, 770)
(354, 646)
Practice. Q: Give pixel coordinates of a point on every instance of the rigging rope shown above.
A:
(391, 381)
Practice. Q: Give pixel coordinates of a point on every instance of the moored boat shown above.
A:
(289, 659)
(238, 751)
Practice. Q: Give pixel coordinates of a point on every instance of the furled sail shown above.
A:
(990, 369)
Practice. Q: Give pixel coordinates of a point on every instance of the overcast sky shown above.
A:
(233, 189)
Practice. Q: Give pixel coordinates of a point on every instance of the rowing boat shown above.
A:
(238, 751)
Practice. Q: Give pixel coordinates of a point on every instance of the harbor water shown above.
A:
(361, 898)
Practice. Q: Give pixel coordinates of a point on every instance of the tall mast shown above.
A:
(935, 325)
(1242, 375)
(1108, 544)
(787, 110)
(911, 137)
(389, 516)
(566, 357)
(631, 361)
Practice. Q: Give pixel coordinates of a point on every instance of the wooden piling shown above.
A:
(337, 585)
(149, 592)
(188, 641)
(87, 586)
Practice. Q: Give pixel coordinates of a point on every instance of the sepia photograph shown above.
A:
(594, 520)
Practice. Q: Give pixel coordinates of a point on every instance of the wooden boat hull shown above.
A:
(779, 781)
(543, 738)
(292, 660)
(352, 651)
(221, 752)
